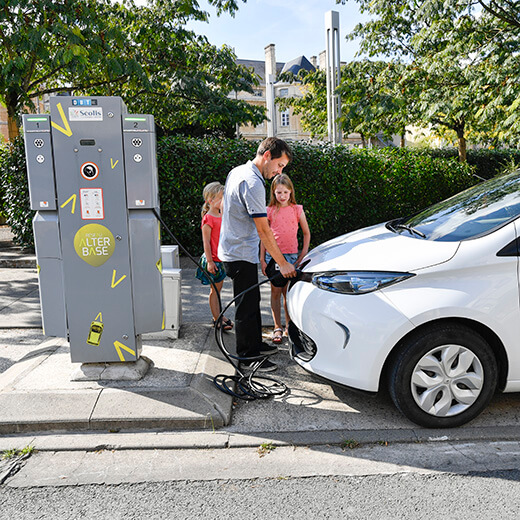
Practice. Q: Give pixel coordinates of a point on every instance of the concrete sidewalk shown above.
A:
(36, 391)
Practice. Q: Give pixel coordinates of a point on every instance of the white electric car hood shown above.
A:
(377, 248)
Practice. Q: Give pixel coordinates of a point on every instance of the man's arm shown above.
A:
(269, 242)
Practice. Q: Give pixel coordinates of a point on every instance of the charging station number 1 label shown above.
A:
(91, 200)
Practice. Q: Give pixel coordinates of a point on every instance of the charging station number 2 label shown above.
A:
(91, 200)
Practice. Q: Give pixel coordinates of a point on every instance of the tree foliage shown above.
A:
(374, 101)
(459, 57)
(143, 53)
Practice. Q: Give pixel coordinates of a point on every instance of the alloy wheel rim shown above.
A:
(447, 380)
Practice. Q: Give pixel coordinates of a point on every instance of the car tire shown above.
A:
(443, 377)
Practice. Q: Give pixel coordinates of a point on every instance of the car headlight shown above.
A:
(355, 282)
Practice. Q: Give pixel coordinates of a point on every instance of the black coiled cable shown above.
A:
(242, 385)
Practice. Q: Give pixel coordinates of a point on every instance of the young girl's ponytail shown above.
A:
(210, 191)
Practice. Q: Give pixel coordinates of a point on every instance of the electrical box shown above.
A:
(93, 183)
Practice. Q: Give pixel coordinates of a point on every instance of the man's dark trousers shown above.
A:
(248, 321)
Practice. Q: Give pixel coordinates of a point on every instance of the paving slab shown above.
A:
(29, 411)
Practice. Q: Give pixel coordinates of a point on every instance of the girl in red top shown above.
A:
(211, 220)
(284, 217)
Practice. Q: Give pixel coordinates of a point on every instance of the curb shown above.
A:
(18, 262)
(194, 440)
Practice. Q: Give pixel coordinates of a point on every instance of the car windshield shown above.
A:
(471, 213)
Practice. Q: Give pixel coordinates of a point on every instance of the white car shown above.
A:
(426, 307)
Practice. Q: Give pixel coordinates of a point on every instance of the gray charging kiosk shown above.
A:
(93, 182)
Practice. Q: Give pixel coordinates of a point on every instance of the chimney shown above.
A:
(323, 60)
(314, 62)
(270, 60)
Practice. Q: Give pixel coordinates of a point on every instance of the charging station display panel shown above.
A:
(91, 197)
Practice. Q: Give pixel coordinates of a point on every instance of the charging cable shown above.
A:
(243, 385)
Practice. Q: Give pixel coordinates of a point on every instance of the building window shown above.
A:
(284, 92)
(285, 118)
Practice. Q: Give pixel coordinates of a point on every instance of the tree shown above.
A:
(144, 54)
(460, 59)
(189, 80)
(312, 105)
(373, 101)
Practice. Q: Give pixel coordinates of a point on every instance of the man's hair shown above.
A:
(276, 146)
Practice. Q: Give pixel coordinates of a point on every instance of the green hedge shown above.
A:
(14, 192)
(487, 163)
(341, 190)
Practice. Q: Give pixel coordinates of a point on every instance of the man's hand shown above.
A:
(287, 270)
(266, 236)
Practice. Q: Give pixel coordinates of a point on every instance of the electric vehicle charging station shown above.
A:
(93, 182)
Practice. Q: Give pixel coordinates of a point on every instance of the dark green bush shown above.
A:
(341, 190)
(15, 193)
(487, 163)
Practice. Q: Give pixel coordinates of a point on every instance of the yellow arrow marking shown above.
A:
(100, 316)
(114, 283)
(73, 199)
(67, 131)
(112, 163)
(120, 346)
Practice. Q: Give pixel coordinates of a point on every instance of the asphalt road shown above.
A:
(489, 495)
(436, 480)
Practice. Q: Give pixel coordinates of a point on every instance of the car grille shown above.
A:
(302, 346)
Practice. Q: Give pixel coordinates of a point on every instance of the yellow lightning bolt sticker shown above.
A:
(114, 283)
(65, 129)
(73, 199)
(120, 346)
(112, 163)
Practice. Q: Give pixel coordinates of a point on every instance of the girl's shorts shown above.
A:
(290, 257)
(217, 277)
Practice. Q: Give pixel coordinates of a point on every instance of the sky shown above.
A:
(296, 27)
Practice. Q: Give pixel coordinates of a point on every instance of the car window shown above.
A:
(471, 213)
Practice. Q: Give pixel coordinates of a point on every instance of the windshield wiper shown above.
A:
(410, 229)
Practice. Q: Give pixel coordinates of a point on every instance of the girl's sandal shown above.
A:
(228, 324)
(277, 336)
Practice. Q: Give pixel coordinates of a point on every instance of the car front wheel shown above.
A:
(443, 377)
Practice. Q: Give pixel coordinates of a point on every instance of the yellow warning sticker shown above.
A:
(114, 282)
(159, 265)
(119, 346)
(72, 199)
(94, 243)
(65, 129)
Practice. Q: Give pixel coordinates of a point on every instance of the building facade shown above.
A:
(281, 123)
